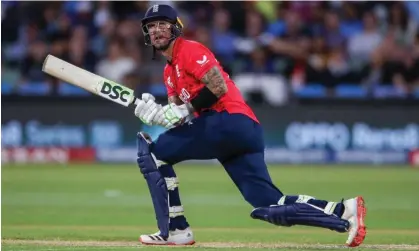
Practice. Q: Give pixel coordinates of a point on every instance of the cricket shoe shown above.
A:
(355, 212)
(176, 237)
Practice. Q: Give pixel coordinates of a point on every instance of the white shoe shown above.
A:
(355, 212)
(177, 237)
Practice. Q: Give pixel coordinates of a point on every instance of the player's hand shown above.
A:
(147, 96)
(147, 110)
(161, 120)
(173, 114)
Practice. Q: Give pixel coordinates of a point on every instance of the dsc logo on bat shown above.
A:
(116, 93)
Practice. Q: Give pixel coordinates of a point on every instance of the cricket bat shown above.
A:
(89, 81)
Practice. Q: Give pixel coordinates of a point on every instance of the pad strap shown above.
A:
(176, 211)
(172, 183)
(300, 199)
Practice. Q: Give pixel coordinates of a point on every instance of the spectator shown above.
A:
(316, 68)
(372, 74)
(103, 14)
(128, 31)
(202, 35)
(60, 28)
(132, 80)
(338, 67)
(362, 45)
(260, 62)
(406, 76)
(79, 53)
(304, 9)
(255, 25)
(59, 45)
(100, 42)
(32, 63)
(372, 43)
(117, 63)
(295, 41)
(399, 22)
(222, 37)
(332, 33)
(350, 24)
(277, 27)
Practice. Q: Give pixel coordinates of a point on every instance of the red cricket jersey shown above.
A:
(182, 77)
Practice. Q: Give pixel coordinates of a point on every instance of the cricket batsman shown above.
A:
(207, 118)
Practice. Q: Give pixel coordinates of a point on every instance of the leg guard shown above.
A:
(300, 214)
(328, 207)
(176, 213)
(156, 184)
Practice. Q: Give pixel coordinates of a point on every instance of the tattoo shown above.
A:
(176, 100)
(215, 81)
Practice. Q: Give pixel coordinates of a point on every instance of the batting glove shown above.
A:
(146, 111)
(147, 97)
(173, 114)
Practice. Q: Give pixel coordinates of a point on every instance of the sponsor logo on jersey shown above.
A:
(203, 61)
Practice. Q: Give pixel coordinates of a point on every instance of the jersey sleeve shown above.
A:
(168, 83)
(199, 61)
(170, 91)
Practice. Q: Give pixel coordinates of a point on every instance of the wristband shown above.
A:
(204, 99)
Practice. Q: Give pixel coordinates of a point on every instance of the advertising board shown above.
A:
(293, 134)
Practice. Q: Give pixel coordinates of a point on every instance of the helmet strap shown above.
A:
(154, 53)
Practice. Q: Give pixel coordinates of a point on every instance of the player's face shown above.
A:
(160, 34)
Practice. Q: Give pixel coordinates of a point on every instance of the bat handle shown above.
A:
(136, 101)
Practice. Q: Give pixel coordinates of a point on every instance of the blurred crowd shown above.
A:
(328, 43)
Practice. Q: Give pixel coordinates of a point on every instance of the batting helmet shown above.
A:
(161, 12)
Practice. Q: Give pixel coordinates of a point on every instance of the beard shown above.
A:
(163, 46)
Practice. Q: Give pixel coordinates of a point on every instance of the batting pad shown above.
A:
(156, 184)
(300, 214)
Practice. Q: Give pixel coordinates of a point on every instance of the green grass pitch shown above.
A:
(106, 207)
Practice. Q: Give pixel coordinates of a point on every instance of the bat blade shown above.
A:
(89, 81)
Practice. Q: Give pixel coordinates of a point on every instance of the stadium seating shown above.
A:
(66, 89)
(311, 90)
(34, 89)
(350, 91)
(388, 91)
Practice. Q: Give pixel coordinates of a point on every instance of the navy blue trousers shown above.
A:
(235, 140)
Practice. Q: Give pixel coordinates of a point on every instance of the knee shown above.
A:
(165, 154)
(149, 163)
(161, 156)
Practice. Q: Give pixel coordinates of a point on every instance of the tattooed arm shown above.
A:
(214, 80)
